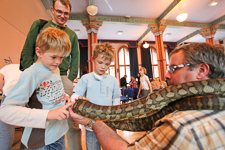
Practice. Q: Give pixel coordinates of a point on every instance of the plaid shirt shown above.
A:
(186, 130)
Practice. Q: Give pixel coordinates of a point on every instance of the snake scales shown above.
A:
(211, 102)
(150, 103)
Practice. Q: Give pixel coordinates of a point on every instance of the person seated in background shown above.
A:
(163, 84)
(155, 83)
(132, 83)
(83, 70)
(40, 86)
(190, 130)
(138, 79)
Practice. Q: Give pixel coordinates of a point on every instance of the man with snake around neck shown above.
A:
(191, 129)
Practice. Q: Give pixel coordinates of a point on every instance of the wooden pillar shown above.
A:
(92, 27)
(160, 57)
(157, 30)
(139, 55)
(208, 33)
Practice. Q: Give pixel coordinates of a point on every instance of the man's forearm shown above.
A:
(108, 139)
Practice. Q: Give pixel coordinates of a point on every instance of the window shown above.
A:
(155, 67)
(124, 62)
(112, 69)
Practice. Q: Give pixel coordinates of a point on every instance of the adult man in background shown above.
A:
(61, 10)
(180, 129)
(9, 75)
(123, 83)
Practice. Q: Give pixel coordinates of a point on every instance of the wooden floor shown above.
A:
(129, 136)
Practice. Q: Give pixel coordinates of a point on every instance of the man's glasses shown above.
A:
(172, 69)
(59, 12)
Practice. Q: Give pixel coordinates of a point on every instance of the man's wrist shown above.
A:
(90, 124)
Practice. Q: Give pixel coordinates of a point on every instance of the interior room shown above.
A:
(142, 32)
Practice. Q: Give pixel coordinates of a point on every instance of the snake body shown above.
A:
(153, 101)
(211, 102)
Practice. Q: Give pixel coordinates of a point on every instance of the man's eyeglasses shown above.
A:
(59, 12)
(172, 69)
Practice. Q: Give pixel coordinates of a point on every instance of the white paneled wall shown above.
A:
(16, 17)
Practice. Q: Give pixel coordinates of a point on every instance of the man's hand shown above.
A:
(59, 113)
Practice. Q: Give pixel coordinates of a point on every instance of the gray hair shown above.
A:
(197, 53)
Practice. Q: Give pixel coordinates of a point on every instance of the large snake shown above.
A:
(152, 102)
(210, 102)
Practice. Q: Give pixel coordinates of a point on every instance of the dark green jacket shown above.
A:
(29, 56)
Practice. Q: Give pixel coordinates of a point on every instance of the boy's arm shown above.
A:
(109, 141)
(28, 52)
(1, 82)
(14, 105)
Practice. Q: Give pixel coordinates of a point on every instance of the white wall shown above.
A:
(16, 17)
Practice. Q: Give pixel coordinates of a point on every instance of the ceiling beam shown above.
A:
(188, 37)
(124, 20)
(199, 25)
(171, 9)
(218, 21)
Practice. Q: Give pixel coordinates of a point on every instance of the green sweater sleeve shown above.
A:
(28, 53)
(75, 59)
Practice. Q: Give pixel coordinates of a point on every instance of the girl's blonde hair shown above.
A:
(54, 40)
(144, 69)
(106, 49)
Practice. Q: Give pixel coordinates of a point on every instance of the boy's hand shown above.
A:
(79, 97)
(59, 113)
(78, 118)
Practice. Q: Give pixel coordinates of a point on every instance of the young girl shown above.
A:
(145, 85)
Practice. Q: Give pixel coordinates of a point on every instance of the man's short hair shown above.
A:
(64, 2)
(106, 49)
(197, 53)
(55, 40)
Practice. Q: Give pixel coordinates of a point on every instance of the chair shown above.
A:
(130, 94)
(155, 90)
(124, 99)
(136, 90)
(126, 91)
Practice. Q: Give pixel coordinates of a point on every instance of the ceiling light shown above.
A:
(92, 9)
(182, 17)
(120, 32)
(146, 45)
(213, 3)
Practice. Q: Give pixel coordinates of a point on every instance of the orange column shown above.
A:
(208, 34)
(160, 57)
(92, 27)
(139, 55)
(157, 30)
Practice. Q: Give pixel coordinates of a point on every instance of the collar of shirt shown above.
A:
(97, 77)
